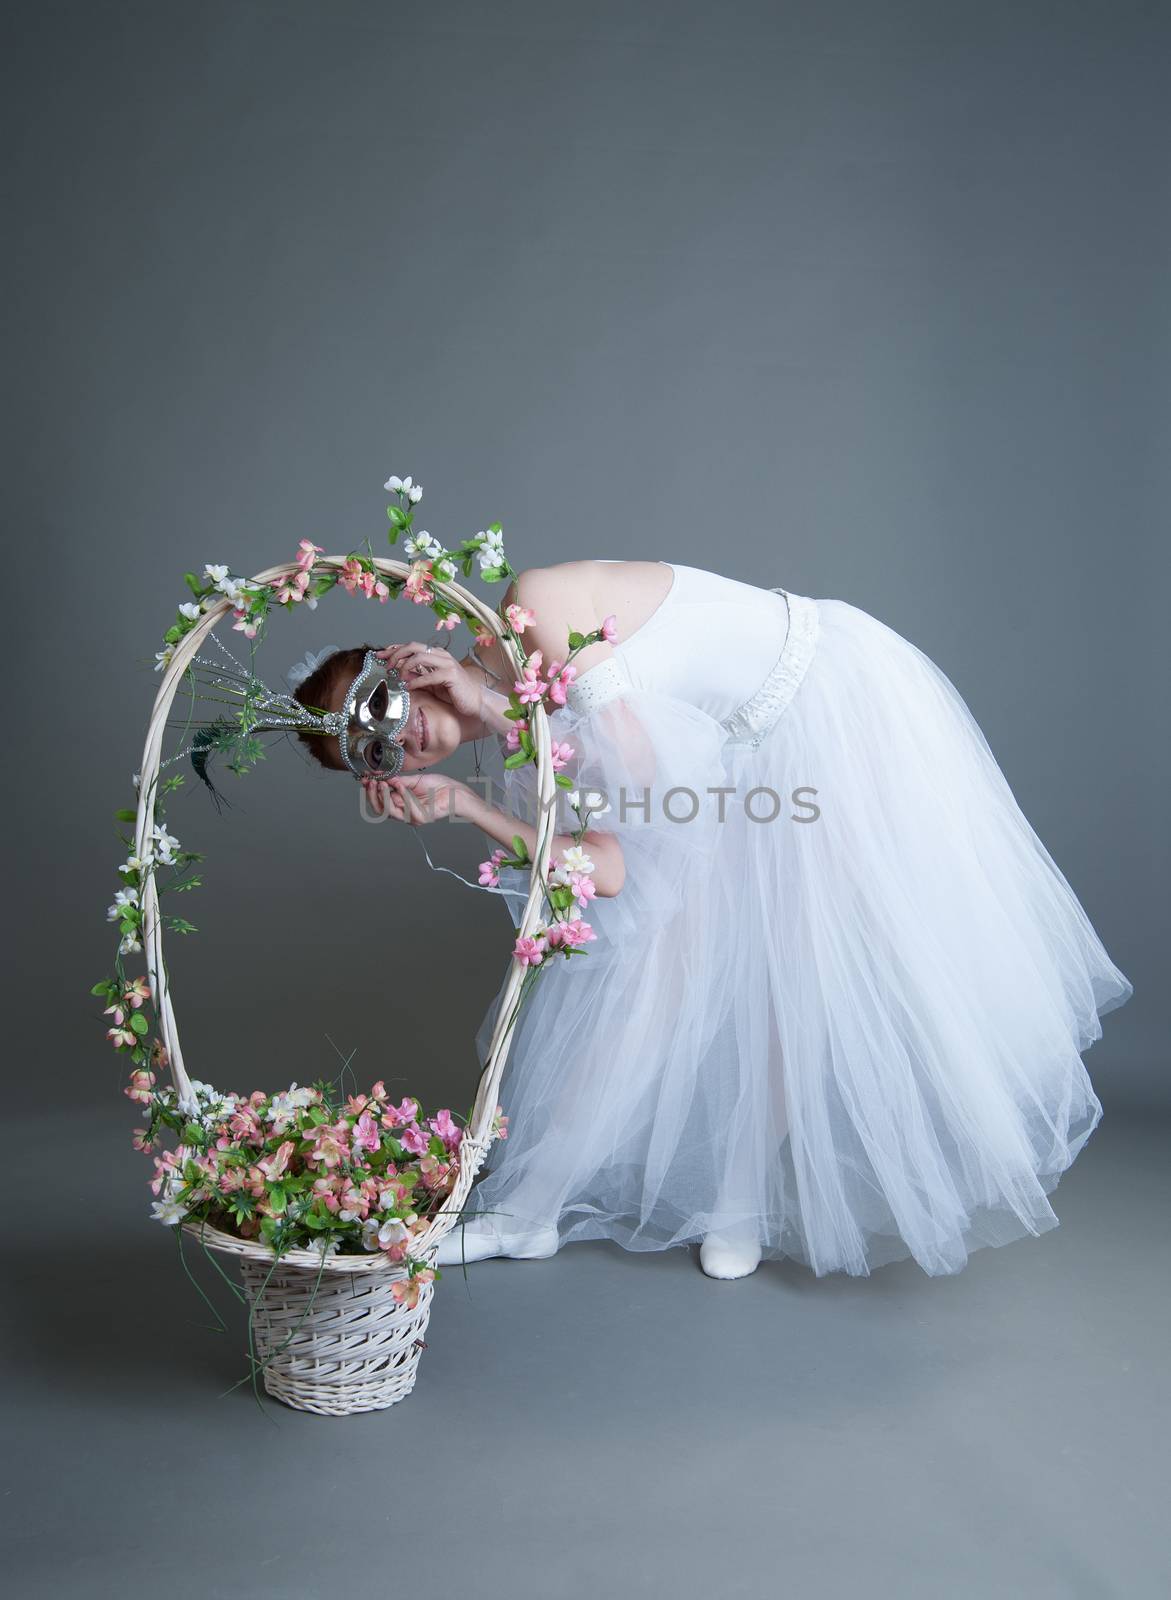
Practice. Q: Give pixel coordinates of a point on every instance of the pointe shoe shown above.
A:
(479, 1239)
(726, 1258)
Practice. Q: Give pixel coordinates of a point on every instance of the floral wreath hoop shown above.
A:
(333, 1333)
(477, 1135)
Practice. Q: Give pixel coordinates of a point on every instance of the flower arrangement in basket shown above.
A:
(334, 1204)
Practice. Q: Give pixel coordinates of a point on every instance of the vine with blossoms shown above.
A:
(308, 1168)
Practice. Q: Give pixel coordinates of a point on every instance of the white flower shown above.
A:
(124, 898)
(491, 551)
(289, 1100)
(575, 860)
(215, 574)
(414, 493)
(370, 1233)
(129, 945)
(236, 591)
(136, 779)
(394, 484)
(191, 610)
(324, 1245)
(444, 569)
(392, 1231)
(165, 844)
(422, 544)
(137, 863)
(163, 657)
(168, 1211)
(595, 803)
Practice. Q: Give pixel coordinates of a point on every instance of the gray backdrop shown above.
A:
(865, 299)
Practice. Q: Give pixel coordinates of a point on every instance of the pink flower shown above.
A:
(520, 617)
(529, 689)
(529, 952)
(484, 637)
(435, 1172)
(290, 589)
(366, 1135)
(609, 629)
(273, 1166)
(560, 678)
(512, 737)
(406, 1290)
(559, 754)
(355, 1205)
(378, 1092)
(141, 1140)
(244, 624)
(572, 932)
(499, 1128)
(136, 992)
(490, 869)
(443, 1124)
(329, 1147)
(584, 888)
(417, 586)
(414, 1139)
(373, 587)
(309, 551)
(448, 622)
(350, 575)
(395, 1116)
(140, 1085)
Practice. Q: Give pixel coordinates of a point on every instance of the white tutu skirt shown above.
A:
(853, 1037)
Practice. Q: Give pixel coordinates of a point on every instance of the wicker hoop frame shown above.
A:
(357, 1347)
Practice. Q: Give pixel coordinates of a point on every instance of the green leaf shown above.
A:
(492, 574)
(519, 759)
(126, 816)
(576, 640)
(398, 517)
(325, 584)
(193, 583)
(563, 780)
(519, 848)
(277, 1198)
(526, 742)
(139, 1024)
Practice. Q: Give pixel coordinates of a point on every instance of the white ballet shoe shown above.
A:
(726, 1258)
(479, 1238)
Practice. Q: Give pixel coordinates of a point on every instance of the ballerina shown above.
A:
(836, 1001)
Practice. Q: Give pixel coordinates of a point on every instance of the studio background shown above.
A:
(869, 301)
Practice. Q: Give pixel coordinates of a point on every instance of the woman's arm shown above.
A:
(420, 797)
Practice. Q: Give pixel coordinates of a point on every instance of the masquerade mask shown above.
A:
(374, 711)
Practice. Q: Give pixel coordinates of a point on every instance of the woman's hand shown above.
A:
(428, 666)
(418, 797)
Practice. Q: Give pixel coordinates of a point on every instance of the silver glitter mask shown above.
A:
(374, 712)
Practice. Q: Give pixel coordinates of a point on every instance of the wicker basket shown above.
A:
(332, 1338)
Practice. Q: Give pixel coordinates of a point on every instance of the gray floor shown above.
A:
(606, 1423)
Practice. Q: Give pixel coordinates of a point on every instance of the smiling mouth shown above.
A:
(424, 736)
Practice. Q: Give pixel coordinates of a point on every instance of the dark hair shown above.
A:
(323, 690)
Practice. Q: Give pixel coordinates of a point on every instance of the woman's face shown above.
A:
(431, 734)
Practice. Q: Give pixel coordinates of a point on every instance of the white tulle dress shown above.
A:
(846, 1025)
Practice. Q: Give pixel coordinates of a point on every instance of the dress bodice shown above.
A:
(731, 649)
